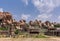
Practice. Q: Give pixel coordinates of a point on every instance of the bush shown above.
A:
(17, 31)
(3, 28)
(58, 25)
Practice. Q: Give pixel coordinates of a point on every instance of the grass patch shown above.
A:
(34, 36)
(2, 28)
(41, 36)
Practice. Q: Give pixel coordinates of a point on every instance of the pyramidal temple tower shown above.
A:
(5, 16)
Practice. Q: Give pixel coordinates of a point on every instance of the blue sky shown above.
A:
(32, 9)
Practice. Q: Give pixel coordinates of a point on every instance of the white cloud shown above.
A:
(1, 9)
(59, 17)
(44, 17)
(25, 2)
(17, 17)
(25, 16)
(46, 6)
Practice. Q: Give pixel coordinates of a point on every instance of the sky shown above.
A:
(32, 9)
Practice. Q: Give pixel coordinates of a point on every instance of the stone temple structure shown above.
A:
(5, 23)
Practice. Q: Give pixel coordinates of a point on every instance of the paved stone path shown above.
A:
(29, 39)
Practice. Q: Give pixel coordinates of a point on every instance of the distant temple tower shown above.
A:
(4, 16)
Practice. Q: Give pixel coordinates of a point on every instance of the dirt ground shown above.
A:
(30, 39)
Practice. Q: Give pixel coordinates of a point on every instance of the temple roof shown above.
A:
(5, 14)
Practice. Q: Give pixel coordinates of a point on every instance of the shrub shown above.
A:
(58, 25)
(3, 28)
(17, 31)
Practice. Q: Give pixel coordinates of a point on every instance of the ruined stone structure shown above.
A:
(6, 22)
(8, 26)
